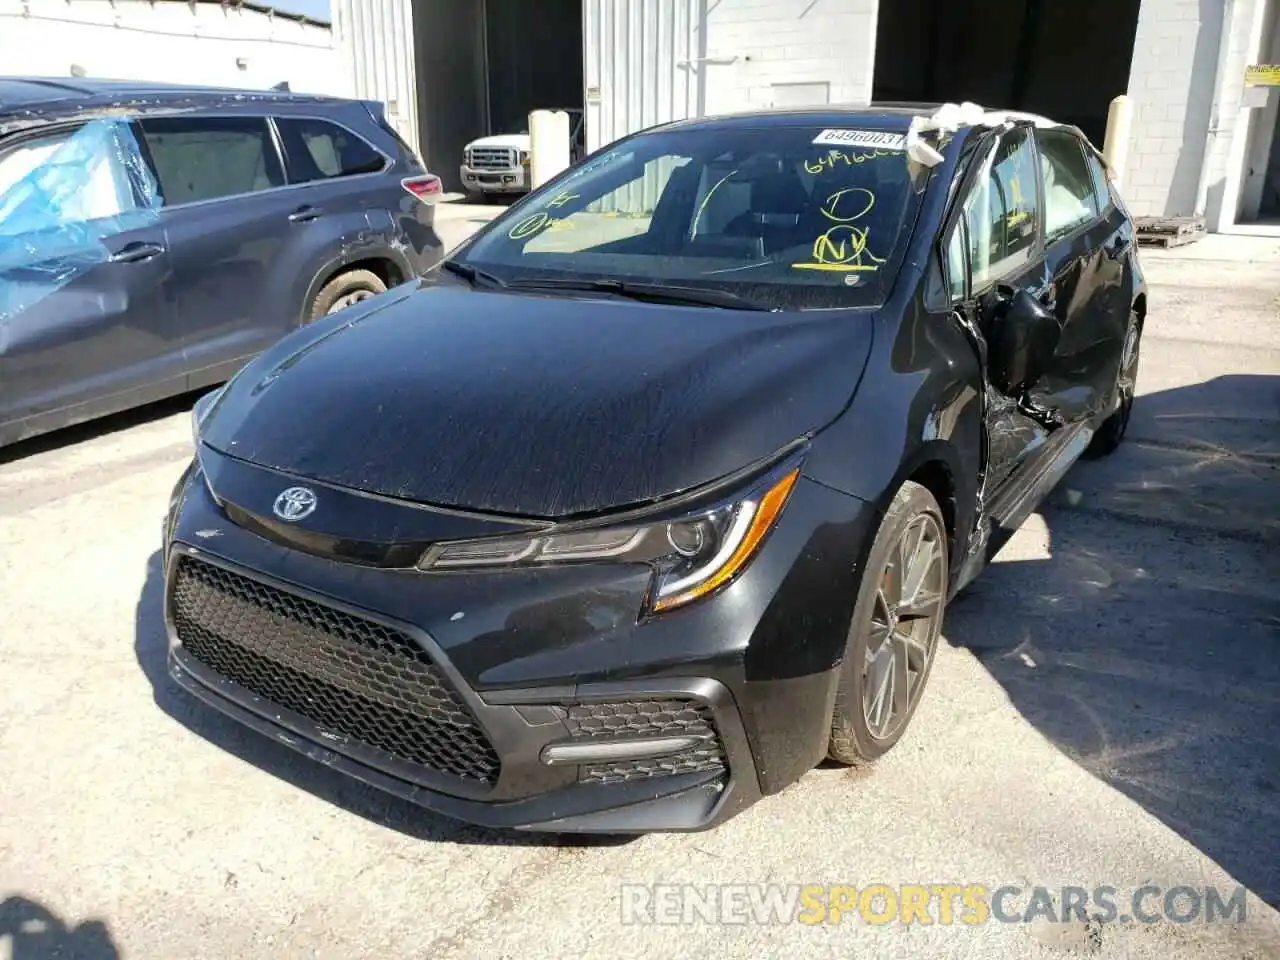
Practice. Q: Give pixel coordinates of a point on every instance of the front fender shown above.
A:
(917, 413)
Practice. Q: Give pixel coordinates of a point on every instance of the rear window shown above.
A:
(320, 150)
(797, 217)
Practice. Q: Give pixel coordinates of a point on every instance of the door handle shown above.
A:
(305, 215)
(136, 253)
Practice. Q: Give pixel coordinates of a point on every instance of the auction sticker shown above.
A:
(871, 139)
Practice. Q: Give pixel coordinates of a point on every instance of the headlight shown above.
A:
(692, 555)
(524, 157)
(201, 411)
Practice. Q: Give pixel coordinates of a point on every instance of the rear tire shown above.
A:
(893, 638)
(1112, 430)
(344, 291)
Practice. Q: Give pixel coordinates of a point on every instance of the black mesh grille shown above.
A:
(647, 718)
(348, 675)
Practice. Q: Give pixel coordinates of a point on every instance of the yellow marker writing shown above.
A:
(528, 226)
(828, 161)
(841, 249)
(843, 205)
(562, 198)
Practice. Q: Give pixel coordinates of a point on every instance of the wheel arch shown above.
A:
(938, 467)
(390, 266)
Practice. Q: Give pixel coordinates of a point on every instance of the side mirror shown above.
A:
(1022, 337)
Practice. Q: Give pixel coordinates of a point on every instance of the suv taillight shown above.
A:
(426, 187)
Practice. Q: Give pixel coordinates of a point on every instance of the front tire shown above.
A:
(893, 637)
(1112, 430)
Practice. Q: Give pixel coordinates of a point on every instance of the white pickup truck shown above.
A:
(500, 163)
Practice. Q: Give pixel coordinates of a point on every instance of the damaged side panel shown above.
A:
(84, 271)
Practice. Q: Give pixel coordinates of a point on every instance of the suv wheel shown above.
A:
(345, 290)
(897, 620)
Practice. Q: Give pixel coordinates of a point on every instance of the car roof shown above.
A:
(28, 95)
(881, 116)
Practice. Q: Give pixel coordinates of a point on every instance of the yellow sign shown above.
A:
(1263, 75)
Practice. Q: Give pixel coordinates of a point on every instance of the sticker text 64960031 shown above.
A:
(869, 139)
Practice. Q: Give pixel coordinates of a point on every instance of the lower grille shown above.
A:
(349, 676)
(643, 719)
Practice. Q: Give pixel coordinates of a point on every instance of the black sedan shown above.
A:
(653, 496)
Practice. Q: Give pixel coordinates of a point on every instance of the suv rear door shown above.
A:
(85, 293)
(351, 194)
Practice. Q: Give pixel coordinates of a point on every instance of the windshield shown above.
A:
(795, 217)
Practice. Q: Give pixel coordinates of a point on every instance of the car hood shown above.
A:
(536, 406)
(519, 141)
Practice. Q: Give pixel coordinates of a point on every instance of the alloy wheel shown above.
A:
(351, 299)
(905, 623)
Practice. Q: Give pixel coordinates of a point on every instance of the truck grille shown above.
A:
(353, 678)
(492, 158)
(641, 719)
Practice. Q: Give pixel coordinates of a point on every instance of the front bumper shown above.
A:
(485, 180)
(533, 680)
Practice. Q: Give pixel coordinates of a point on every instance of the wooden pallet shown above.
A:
(1169, 231)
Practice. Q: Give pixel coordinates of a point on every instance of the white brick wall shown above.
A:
(788, 42)
(1171, 82)
(1226, 158)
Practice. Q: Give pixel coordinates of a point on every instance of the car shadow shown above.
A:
(377, 806)
(1147, 646)
(79, 433)
(35, 932)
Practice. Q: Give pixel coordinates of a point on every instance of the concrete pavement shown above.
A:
(1107, 711)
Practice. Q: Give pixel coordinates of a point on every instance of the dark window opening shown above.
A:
(320, 150)
(1066, 61)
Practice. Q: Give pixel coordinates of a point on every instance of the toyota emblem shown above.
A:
(294, 504)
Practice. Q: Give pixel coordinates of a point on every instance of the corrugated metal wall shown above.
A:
(376, 42)
(641, 64)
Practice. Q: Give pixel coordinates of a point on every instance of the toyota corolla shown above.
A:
(653, 495)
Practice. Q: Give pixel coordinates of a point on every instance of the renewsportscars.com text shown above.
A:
(926, 904)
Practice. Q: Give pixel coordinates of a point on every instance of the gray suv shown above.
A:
(155, 238)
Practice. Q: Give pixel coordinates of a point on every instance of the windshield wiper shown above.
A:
(473, 275)
(650, 292)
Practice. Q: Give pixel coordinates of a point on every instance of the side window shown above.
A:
(1069, 200)
(956, 265)
(76, 176)
(1101, 182)
(204, 158)
(1001, 213)
(320, 150)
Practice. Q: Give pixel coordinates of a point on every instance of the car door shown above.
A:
(85, 283)
(1083, 259)
(995, 246)
(351, 204)
(227, 218)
